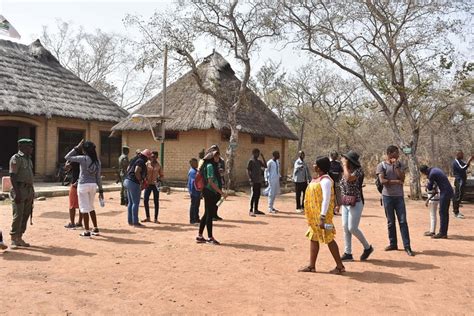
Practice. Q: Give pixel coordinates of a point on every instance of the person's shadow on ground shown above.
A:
(252, 247)
(15, 255)
(444, 253)
(459, 237)
(377, 277)
(403, 264)
(26, 253)
(58, 251)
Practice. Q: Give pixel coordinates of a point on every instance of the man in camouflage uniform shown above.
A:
(21, 173)
(123, 165)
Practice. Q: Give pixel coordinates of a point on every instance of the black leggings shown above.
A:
(255, 197)
(210, 211)
(300, 188)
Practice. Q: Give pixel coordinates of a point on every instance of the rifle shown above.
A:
(31, 214)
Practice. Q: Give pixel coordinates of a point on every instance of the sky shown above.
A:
(29, 17)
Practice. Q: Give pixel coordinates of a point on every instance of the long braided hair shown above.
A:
(89, 150)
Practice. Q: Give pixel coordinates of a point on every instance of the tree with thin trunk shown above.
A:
(392, 47)
(103, 60)
(239, 27)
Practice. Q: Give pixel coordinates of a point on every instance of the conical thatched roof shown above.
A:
(33, 82)
(190, 109)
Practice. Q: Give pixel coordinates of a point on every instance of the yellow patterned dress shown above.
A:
(312, 206)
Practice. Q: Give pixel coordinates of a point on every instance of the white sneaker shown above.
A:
(299, 210)
(271, 211)
(459, 215)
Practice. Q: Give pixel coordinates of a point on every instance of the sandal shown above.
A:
(146, 220)
(307, 269)
(337, 270)
(156, 221)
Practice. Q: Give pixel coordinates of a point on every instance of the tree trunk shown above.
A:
(231, 151)
(413, 165)
(415, 187)
(300, 140)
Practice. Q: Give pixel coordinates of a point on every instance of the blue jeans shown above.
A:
(350, 222)
(396, 205)
(194, 208)
(133, 193)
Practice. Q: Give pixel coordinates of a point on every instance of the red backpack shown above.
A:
(199, 181)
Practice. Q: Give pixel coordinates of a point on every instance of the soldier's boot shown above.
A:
(14, 244)
(22, 243)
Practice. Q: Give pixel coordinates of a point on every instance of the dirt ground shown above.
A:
(161, 270)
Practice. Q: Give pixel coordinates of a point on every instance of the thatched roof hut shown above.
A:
(190, 109)
(33, 82)
(42, 100)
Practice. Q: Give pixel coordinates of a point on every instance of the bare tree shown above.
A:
(391, 47)
(103, 60)
(240, 28)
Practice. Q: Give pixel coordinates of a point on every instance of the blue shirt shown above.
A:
(191, 178)
(437, 175)
(459, 169)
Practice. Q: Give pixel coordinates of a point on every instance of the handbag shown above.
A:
(349, 200)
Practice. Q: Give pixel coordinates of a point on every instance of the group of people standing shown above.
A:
(322, 201)
(331, 186)
(143, 172)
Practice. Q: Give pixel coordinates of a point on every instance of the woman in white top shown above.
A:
(319, 209)
(89, 180)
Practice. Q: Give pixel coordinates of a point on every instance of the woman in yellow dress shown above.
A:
(319, 206)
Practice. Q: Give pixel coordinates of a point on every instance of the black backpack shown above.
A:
(379, 184)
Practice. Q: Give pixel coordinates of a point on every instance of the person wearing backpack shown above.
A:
(134, 181)
(212, 193)
(194, 194)
(391, 174)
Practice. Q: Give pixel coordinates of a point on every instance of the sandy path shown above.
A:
(160, 270)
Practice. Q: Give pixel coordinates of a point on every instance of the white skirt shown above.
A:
(86, 193)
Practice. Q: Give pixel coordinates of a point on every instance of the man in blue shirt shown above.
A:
(436, 175)
(193, 193)
(460, 177)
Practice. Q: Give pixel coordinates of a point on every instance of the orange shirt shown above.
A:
(153, 172)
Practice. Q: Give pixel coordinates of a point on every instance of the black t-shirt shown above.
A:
(335, 171)
(255, 168)
(138, 161)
